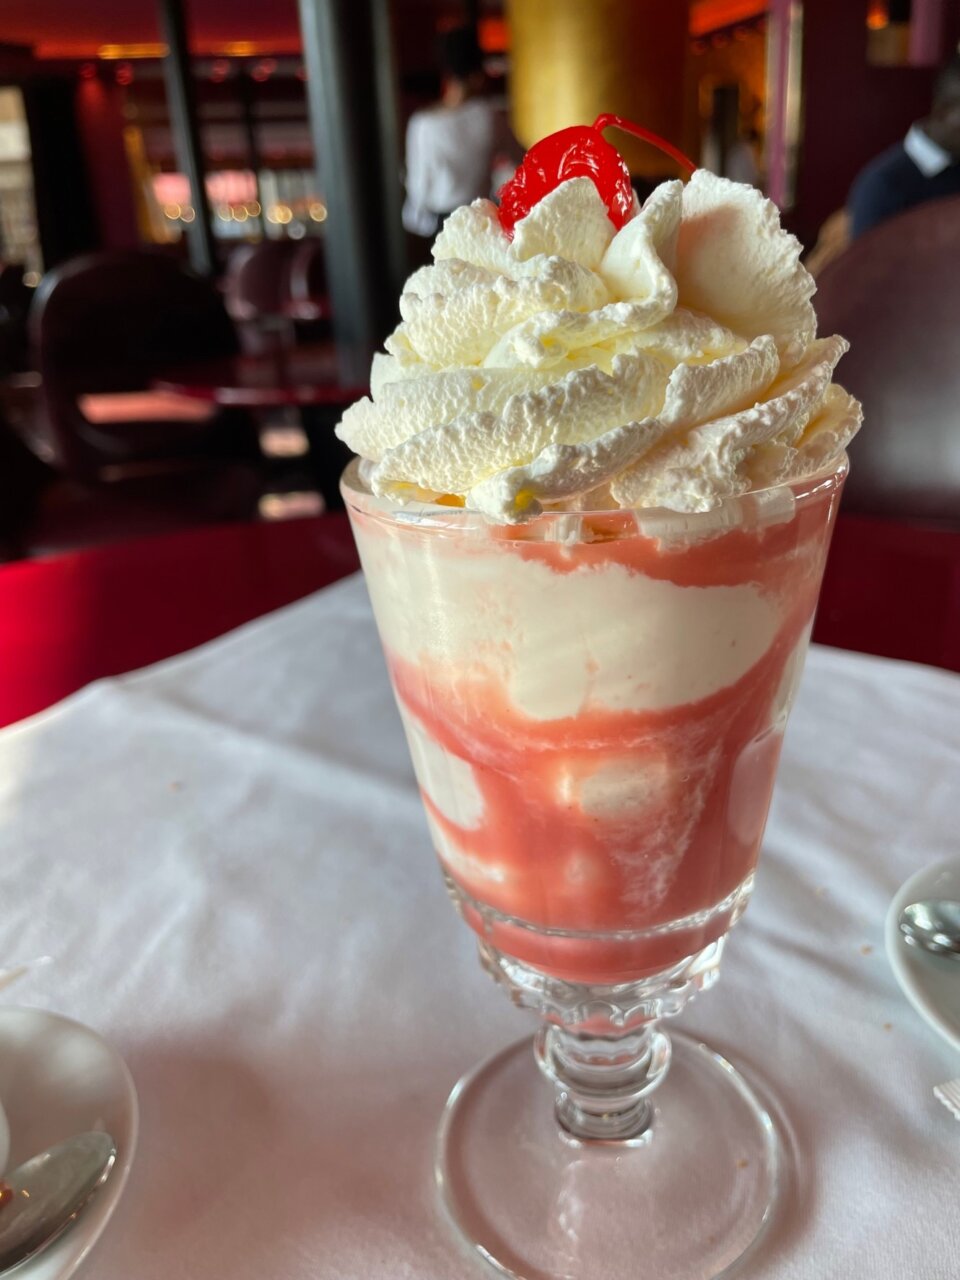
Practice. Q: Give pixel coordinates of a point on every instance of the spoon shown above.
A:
(16, 971)
(933, 925)
(45, 1194)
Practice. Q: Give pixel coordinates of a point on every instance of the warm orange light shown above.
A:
(199, 48)
(711, 15)
(493, 35)
(233, 49)
(115, 52)
(878, 15)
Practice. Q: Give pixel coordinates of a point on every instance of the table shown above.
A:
(227, 857)
(315, 380)
(290, 376)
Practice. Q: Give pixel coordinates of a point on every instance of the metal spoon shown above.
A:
(933, 925)
(44, 1195)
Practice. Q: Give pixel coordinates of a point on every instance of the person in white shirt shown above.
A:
(924, 166)
(455, 148)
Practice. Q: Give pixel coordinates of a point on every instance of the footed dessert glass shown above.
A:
(594, 703)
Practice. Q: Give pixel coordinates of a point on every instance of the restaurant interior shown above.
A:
(207, 216)
(191, 288)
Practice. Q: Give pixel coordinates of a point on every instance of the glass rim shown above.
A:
(772, 504)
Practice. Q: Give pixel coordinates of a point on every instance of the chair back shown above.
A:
(308, 279)
(14, 294)
(15, 298)
(113, 322)
(894, 294)
(256, 285)
(22, 477)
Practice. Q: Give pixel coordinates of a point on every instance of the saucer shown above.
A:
(930, 983)
(58, 1078)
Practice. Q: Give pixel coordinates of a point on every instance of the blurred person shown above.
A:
(924, 166)
(833, 238)
(743, 163)
(459, 149)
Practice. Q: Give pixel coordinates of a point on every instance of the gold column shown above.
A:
(573, 59)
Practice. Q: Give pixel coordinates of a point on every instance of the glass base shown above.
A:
(686, 1199)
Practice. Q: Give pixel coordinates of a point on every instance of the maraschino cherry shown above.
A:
(579, 152)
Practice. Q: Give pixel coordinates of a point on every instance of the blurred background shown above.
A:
(208, 208)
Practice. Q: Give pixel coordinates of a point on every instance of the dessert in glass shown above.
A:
(597, 479)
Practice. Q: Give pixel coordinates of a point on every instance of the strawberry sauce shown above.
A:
(616, 822)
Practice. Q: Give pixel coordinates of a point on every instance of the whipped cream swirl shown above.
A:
(673, 363)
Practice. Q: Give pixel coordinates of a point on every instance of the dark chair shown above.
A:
(256, 289)
(894, 293)
(23, 477)
(309, 299)
(257, 279)
(276, 293)
(892, 582)
(130, 460)
(15, 298)
(112, 323)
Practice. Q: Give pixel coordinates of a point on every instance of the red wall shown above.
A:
(852, 110)
(100, 122)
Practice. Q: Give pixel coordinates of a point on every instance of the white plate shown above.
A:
(930, 983)
(58, 1078)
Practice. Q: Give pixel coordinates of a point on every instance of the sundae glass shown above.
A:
(596, 483)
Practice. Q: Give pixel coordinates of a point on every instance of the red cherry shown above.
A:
(578, 152)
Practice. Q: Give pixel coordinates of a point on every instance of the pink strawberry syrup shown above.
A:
(582, 894)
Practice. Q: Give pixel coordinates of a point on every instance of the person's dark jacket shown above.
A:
(892, 183)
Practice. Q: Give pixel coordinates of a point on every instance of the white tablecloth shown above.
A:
(226, 856)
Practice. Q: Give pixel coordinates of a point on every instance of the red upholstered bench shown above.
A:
(70, 619)
(893, 588)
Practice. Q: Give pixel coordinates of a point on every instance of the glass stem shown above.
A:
(603, 1083)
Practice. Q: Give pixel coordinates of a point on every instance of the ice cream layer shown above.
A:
(561, 644)
(595, 722)
(673, 363)
(594, 705)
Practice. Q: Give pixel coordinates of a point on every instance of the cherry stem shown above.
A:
(618, 122)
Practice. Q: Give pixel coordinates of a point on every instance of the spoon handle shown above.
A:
(15, 971)
(949, 1095)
